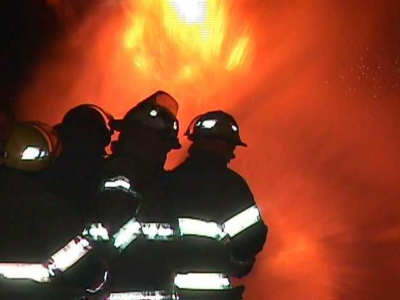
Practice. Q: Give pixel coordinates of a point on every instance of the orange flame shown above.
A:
(179, 39)
(326, 183)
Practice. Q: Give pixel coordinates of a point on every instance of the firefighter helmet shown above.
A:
(217, 125)
(31, 146)
(87, 121)
(157, 111)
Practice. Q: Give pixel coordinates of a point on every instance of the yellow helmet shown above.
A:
(31, 146)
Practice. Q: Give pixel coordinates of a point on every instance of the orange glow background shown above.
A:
(323, 156)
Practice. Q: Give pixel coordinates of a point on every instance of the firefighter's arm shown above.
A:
(117, 201)
(246, 238)
(246, 228)
(248, 243)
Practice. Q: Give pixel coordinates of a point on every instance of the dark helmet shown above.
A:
(217, 125)
(157, 111)
(87, 122)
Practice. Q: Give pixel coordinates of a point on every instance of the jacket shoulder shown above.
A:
(237, 179)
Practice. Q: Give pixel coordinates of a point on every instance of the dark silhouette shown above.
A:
(204, 188)
(85, 134)
(35, 223)
(132, 187)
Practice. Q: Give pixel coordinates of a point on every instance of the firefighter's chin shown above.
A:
(230, 156)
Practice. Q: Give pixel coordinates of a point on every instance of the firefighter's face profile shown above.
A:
(149, 141)
(230, 151)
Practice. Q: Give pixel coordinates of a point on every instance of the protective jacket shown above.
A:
(131, 204)
(224, 227)
(34, 225)
(75, 177)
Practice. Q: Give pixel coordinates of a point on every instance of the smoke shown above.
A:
(318, 106)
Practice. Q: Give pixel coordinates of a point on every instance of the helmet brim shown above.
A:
(240, 143)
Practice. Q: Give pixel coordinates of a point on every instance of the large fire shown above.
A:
(180, 40)
(323, 145)
(180, 43)
(192, 49)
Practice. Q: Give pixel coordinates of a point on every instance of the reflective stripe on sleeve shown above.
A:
(69, 255)
(202, 281)
(35, 272)
(189, 226)
(59, 261)
(157, 231)
(127, 234)
(242, 221)
(96, 232)
(147, 295)
(120, 183)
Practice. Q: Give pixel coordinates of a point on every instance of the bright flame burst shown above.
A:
(193, 11)
(182, 39)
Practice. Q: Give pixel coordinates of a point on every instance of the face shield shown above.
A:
(158, 111)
